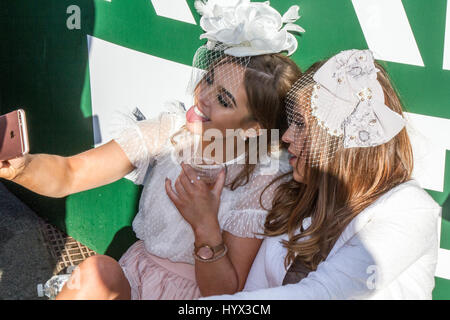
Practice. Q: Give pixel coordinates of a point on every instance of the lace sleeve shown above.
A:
(246, 218)
(142, 141)
(246, 223)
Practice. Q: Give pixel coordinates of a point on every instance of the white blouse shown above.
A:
(389, 251)
(158, 223)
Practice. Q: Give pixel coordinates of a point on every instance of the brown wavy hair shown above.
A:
(267, 80)
(338, 190)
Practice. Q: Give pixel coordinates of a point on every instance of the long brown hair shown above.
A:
(267, 80)
(338, 190)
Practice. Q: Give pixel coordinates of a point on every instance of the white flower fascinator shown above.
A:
(342, 102)
(248, 28)
(237, 31)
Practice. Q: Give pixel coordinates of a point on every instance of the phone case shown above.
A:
(13, 135)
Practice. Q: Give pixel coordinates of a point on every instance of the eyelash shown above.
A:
(299, 123)
(222, 101)
(220, 97)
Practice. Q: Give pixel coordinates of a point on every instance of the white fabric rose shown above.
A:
(248, 28)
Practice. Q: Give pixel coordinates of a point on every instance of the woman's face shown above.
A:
(220, 101)
(296, 137)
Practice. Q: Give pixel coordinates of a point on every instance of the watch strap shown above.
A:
(214, 249)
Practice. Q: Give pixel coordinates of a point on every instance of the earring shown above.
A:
(251, 133)
(242, 134)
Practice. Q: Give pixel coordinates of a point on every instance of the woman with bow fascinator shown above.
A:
(202, 208)
(351, 223)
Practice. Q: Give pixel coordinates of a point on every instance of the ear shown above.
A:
(253, 130)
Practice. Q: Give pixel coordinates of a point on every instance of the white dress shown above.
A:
(158, 223)
(389, 251)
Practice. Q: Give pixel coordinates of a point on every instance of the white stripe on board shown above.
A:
(174, 9)
(387, 31)
(443, 266)
(429, 139)
(122, 79)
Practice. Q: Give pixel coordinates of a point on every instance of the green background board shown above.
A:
(44, 69)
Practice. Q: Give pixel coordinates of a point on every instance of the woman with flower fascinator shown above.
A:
(350, 223)
(202, 209)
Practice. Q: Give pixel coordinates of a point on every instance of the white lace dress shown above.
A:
(153, 264)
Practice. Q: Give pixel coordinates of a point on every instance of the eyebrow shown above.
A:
(211, 73)
(297, 116)
(222, 88)
(229, 95)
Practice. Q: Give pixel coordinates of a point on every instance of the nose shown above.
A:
(204, 97)
(288, 136)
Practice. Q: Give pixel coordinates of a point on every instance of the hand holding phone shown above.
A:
(9, 169)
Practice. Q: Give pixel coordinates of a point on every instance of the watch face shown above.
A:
(205, 253)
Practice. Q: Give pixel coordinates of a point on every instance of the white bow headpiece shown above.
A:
(348, 99)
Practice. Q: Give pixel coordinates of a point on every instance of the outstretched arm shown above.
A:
(57, 176)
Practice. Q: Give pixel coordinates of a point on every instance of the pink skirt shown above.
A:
(155, 278)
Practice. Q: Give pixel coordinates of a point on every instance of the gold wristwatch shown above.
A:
(208, 253)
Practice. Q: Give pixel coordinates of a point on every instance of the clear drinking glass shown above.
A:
(207, 170)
